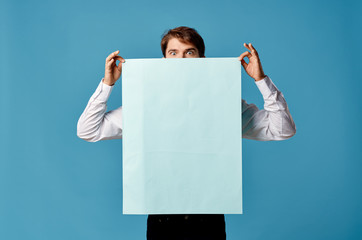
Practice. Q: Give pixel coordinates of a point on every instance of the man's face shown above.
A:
(177, 49)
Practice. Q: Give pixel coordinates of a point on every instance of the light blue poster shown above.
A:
(182, 136)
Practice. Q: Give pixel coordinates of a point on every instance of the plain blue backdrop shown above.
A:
(54, 185)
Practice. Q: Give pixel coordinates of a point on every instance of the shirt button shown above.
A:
(186, 217)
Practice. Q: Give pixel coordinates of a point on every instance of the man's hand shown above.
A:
(253, 68)
(113, 72)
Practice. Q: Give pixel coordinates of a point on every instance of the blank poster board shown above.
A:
(182, 136)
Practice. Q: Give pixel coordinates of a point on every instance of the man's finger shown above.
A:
(110, 56)
(244, 54)
(251, 46)
(119, 58)
(245, 65)
(119, 67)
(253, 50)
(109, 64)
(113, 61)
(247, 46)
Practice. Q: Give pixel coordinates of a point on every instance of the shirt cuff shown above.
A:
(102, 92)
(266, 87)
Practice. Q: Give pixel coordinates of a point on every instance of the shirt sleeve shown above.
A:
(274, 122)
(95, 123)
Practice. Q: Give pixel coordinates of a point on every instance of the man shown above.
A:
(274, 122)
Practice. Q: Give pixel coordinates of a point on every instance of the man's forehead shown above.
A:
(173, 42)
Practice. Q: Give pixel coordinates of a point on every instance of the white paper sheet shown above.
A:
(182, 136)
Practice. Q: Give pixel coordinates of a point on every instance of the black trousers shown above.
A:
(186, 227)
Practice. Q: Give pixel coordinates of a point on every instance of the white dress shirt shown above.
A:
(274, 122)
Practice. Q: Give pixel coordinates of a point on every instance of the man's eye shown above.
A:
(190, 52)
(173, 53)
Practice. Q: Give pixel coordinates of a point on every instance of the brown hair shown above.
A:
(186, 35)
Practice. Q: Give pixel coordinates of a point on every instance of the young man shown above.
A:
(274, 122)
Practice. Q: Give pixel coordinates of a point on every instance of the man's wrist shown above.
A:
(260, 78)
(105, 82)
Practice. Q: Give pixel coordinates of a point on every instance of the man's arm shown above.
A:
(95, 123)
(274, 122)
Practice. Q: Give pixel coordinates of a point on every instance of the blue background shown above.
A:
(54, 185)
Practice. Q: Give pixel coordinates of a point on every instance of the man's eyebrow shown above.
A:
(175, 50)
